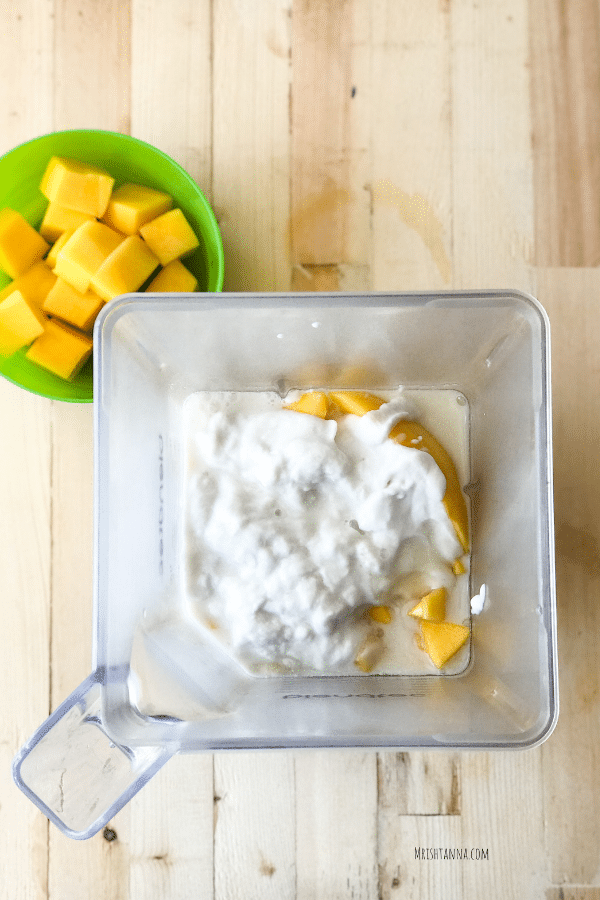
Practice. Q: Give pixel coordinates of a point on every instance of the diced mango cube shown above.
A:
(34, 284)
(313, 402)
(84, 252)
(72, 306)
(132, 205)
(125, 269)
(61, 350)
(58, 219)
(20, 323)
(174, 278)
(77, 185)
(441, 640)
(169, 236)
(432, 606)
(56, 247)
(20, 244)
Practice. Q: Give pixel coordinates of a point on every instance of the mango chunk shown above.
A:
(20, 323)
(58, 219)
(370, 651)
(174, 278)
(20, 244)
(431, 607)
(458, 567)
(125, 269)
(77, 185)
(356, 403)
(34, 284)
(56, 247)
(169, 236)
(72, 306)
(84, 252)
(132, 205)
(313, 402)
(60, 349)
(381, 613)
(441, 640)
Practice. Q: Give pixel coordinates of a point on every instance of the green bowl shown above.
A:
(128, 160)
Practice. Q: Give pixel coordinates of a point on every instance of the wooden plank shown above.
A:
(503, 820)
(167, 829)
(336, 803)
(493, 215)
(91, 58)
(571, 774)
(255, 834)
(91, 77)
(411, 178)
(330, 120)
(251, 141)
(411, 196)
(566, 131)
(172, 855)
(171, 81)
(25, 540)
(25, 535)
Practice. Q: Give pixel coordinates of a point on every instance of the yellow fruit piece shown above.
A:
(20, 323)
(174, 278)
(56, 248)
(169, 236)
(60, 350)
(77, 185)
(34, 284)
(125, 270)
(20, 244)
(313, 402)
(84, 252)
(58, 219)
(432, 606)
(72, 306)
(381, 614)
(458, 567)
(370, 651)
(441, 640)
(412, 434)
(356, 403)
(132, 205)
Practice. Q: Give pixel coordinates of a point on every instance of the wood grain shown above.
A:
(251, 141)
(171, 93)
(565, 74)
(25, 498)
(571, 758)
(345, 146)
(492, 171)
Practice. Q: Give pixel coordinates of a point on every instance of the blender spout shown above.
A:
(74, 772)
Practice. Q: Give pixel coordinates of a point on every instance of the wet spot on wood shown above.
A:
(418, 214)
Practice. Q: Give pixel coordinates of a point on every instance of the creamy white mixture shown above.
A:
(296, 525)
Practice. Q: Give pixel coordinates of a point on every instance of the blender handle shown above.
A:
(74, 772)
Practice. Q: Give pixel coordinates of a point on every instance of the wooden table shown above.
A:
(344, 144)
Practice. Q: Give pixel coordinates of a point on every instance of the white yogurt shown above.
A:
(295, 525)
